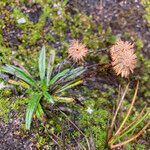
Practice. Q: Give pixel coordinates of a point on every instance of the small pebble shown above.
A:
(21, 20)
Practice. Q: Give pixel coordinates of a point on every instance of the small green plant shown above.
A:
(47, 89)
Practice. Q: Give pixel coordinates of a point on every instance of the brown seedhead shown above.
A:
(123, 58)
(77, 51)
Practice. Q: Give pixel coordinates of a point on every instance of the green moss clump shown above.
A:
(4, 109)
(140, 147)
(139, 43)
(144, 69)
(9, 103)
(94, 124)
(92, 118)
(146, 5)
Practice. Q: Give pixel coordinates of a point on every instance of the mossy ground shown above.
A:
(54, 24)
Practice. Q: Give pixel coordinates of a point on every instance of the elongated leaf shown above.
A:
(63, 99)
(7, 69)
(50, 66)
(74, 71)
(59, 75)
(42, 63)
(72, 74)
(31, 108)
(40, 113)
(68, 86)
(18, 83)
(23, 75)
(48, 97)
(19, 73)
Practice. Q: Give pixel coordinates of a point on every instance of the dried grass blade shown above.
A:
(115, 115)
(129, 111)
(132, 138)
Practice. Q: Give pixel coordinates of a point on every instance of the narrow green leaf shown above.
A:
(72, 74)
(63, 99)
(65, 2)
(59, 75)
(31, 108)
(39, 112)
(68, 86)
(75, 74)
(42, 63)
(7, 69)
(74, 71)
(19, 73)
(48, 97)
(24, 76)
(50, 66)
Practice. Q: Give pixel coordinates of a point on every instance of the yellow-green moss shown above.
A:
(9, 103)
(146, 4)
(4, 109)
(139, 43)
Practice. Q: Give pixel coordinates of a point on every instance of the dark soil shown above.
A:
(10, 138)
(121, 15)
